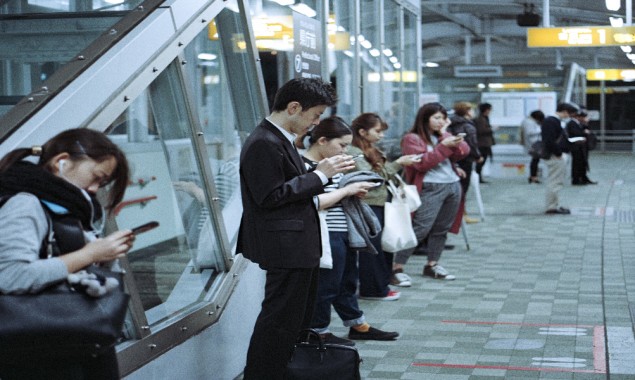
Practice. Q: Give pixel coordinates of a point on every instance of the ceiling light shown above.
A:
(616, 21)
(388, 52)
(284, 2)
(374, 52)
(366, 44)
(303, 9)
(626, 49)
(432, 64)
(613, 5)
(207, 56)
(397, 65)
(631, 56)
(393, 59)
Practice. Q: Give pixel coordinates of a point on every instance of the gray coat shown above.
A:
(361, 220)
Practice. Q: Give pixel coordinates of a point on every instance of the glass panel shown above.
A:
(45, 36)
(173, 265)
(369, 54)
(391, 61)
(20, 7)
(410, 71)
(341, 36)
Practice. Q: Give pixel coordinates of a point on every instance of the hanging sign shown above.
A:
(307, 35)
(580, 36)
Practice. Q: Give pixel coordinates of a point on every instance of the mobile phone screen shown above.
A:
(145, 227)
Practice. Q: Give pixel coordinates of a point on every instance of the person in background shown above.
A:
(375, 271)
(280, 228)
(485, 136)
(337, 286)
(578, 127)
(530, 135)
(461, 123)
(437, 178)
(72, 166)
(555, 146)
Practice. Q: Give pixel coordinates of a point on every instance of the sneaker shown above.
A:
(438, 272)
(391, 296)
(332, 339)
(372, 334)
(399, 278)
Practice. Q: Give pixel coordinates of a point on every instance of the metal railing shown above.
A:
(616, 141)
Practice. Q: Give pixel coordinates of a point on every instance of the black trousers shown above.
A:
(486, 151)
(578, 165)
(286, 309)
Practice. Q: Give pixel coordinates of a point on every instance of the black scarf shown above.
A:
(27, 177)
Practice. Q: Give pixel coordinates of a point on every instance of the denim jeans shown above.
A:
(433, 219)
(337, 287)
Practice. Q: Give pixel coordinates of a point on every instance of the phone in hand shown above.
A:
(145, 227)
(461, 135)
(357, 157)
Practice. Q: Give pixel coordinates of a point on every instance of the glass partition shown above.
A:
(370, 52)
(411, 70)
(38, 37)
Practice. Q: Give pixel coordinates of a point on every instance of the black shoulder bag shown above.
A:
(315, 360)
(62, 321)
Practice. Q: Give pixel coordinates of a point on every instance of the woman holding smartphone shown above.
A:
(72, 167)
(437, 179)
(337, 286)
(375, 271)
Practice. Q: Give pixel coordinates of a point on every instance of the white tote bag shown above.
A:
(408, 193)
(397, 233)
(326, 260)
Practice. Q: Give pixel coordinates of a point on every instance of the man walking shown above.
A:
(280, 229)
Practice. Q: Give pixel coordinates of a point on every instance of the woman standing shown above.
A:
(437, 179)
(530, 129)
(375, 271)
(72, 166)
(337, 286)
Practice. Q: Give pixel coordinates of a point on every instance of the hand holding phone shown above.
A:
(145, 227)
(461, 134)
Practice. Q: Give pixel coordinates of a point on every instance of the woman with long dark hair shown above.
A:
(437, 179)
(375, 271)
(72, 167)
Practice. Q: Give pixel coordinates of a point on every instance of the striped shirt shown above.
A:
(335, 217)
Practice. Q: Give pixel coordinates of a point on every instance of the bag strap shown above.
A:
(401, 180)
(393, 190)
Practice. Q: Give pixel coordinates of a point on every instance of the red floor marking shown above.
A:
(599, 354)
(599, 357)
(507, 368)
(518, 324)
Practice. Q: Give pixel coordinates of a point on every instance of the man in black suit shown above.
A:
(280, 228)
(555, 144)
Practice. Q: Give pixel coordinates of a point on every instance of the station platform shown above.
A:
(535, 297)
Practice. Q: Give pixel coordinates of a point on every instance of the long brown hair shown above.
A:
(421, 125)
(79, 143)
(368, 121)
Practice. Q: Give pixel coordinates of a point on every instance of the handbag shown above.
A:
(313, 359)
(397, 234)
(535, 150)
(408, 193)
(61, 322)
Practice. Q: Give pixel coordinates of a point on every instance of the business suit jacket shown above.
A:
(280, 226)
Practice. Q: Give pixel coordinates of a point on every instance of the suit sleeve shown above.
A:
(271, 178)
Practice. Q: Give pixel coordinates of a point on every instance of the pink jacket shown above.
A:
(412, 143)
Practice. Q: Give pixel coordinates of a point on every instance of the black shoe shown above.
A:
(482, 181)
(372, 334)
(332, 339)
(587, 181)
(559, 210)
(449, 246)
(578, 183)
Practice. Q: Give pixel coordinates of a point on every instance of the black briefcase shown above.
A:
(315, 360)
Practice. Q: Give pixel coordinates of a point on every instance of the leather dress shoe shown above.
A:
(372, 334)
(587, 181)
(332, 339)
(559, 210)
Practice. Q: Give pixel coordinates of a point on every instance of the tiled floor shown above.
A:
(536, 297)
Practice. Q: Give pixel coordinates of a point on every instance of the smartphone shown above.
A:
(358, 157)
(145, 227)
(461, 134)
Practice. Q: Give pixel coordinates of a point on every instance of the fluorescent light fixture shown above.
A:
(432, 64)
(388, 52)
(397, 65)
(616, 21)
(304, 9)
(626, 49)
(374, 52)
(366, 44)
(613, 5)
(284, 2)
(207, 56)
(481, 85)
(393, 59)
(631, 56)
